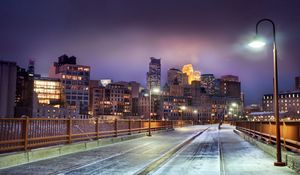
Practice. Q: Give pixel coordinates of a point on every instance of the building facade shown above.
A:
(289, 102)
(176, 77)
(24, 93)
(48, 91)
(8, 74)
(230, 86)
(74, 82)
(208, 81)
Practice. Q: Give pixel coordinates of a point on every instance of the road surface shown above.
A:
(221, 152)
(214, 152)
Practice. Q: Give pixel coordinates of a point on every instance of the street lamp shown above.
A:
(182, 108)
(196, 115)
(154, 91)
(258, 44)
(234, 104)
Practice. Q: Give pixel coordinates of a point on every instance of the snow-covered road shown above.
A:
(221, 152)
(214, 152)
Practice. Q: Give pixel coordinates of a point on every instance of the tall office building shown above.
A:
(297, 82)
(154, 73)
(74, 82)
(8, 74)
(208, 81)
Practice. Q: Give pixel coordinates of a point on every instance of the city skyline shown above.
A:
(130, 33)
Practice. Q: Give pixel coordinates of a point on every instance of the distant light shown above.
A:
(195, 111)
(156, 90)
(146, 95)
(257, 44)
(182, 107)
(234, 104)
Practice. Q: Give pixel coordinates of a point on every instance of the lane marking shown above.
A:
(222, 164)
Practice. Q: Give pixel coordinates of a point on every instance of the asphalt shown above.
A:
(214, 152)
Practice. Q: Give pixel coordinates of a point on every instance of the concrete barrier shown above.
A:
(291, 159)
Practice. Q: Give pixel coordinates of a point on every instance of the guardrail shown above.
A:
(266, 130)
(18, 134)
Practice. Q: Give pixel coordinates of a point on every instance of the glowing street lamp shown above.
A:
(234, 104)
(196, 115)
(258, 44)
(182, 108)
(151, 91)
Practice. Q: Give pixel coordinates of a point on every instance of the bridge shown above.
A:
(176, 147)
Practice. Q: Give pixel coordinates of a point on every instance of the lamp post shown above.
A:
(155, 91)
(234, 109)
(196, 113)
(258, 44)
(182, 108)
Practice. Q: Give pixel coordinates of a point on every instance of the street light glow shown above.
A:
(156, 90)
(257, 44)
(182, 107)
(195, 111)
(234, 104)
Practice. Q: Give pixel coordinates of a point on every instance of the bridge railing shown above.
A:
(18, 134)
(266, 130)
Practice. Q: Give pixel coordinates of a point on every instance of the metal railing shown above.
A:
(266, 130)
(17, 134)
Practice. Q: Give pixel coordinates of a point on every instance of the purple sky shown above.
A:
(117, 37)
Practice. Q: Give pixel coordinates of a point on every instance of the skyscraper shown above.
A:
(8, 74)
(74, 82)
(192, 75)
(297, 82)
(208, 81)
(154, 74)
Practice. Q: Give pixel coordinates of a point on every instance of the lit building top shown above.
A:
(192, 75)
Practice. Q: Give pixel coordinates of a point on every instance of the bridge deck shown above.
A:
(213, 152)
